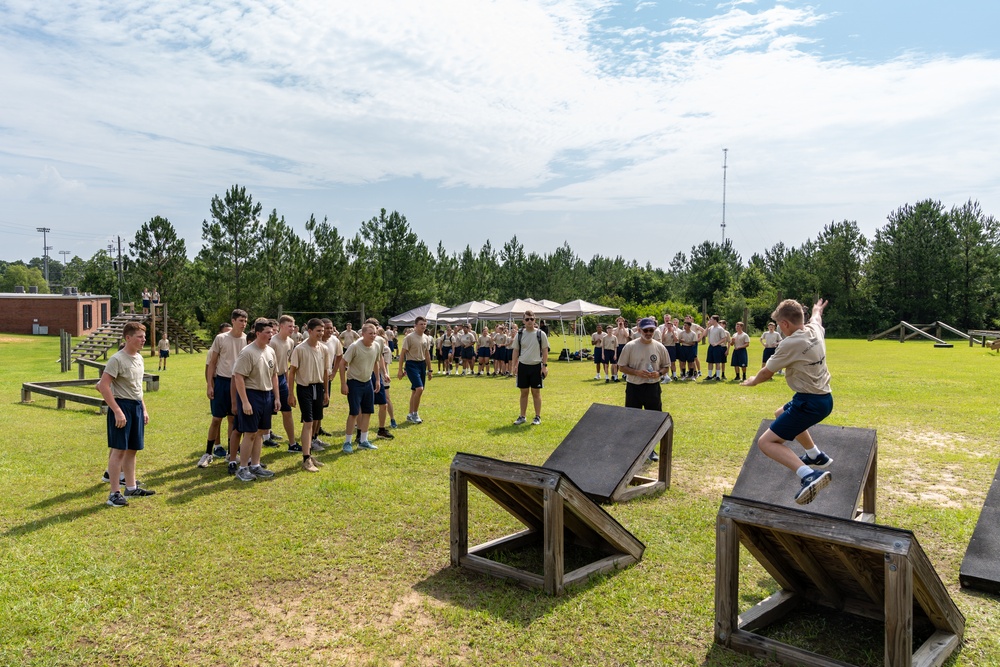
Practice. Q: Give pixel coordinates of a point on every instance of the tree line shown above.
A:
(926, 263)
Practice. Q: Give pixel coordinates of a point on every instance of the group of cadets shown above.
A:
(461, 351)
(681, 343)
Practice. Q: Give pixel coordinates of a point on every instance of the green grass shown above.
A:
(350, 565)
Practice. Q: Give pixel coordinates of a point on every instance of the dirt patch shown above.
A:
(13, 339)
(926, 439)
(941, 486)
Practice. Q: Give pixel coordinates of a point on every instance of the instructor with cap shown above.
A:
(644, 362)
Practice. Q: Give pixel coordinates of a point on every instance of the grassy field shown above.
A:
(350, 565)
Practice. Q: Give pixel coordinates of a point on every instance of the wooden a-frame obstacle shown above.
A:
(832, 555)
(554, 510)
(907, 331)
(863, 569)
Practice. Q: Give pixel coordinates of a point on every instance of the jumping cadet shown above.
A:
(255, 379)
(643, 362)
(740, 342)
(309, 375)
(360, 361)
(803, 354)
(531, 358)
(414, 363)
(222, 357)
(121, 388)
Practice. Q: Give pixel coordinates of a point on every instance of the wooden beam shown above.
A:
(773, 650)
(487, 566)
(898, 611)
(769, 610)
(459, 516)
(553, 542)
(861, 575)
(817, 574)
(934, 651)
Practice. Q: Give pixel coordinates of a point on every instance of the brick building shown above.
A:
(77, 313)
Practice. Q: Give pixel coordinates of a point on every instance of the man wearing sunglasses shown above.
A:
(531, 358)
(644, 362)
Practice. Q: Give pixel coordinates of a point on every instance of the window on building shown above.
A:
(104, 313)
(88, 317)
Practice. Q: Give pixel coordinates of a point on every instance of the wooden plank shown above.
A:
(861, 575)
(932, 595)
(487, 566)
(609, 564)
(644, 488)
(898, 611)
(553, 542)
(771, 649)
(831, 529)
(934, 651)
(817, 574)
(761, 548)
(667, 455)
(518, 473)
(871, 483)
(512, 542)
(662, 432)
(727, 580)
(498, 494)
(602, 522)
(459, 516)
(769, 610)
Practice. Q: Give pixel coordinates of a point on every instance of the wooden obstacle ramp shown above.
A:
(609, 446)
(61, 395)
(867, 570)
(850, 495)
(981, 564)
(555, 513)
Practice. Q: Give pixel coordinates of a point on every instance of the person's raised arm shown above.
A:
(817, 312)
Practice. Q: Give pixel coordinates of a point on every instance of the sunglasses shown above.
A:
(649, 331)
(529, 319)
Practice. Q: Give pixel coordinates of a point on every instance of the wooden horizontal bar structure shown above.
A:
(868, 570)
(607, 449)
(61, 396)
(554, 511)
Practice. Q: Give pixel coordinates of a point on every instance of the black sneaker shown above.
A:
(116, 499)
(295, 447)
(821, 461)
(139, 491)
(653, 456)
(322, 432)
(270, 442)
(811, 485)
(232, 467)
(219, 452)
(121, 480)
(384, 433)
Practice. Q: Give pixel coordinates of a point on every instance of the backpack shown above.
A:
(538, 333)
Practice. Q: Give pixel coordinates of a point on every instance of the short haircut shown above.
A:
(741, 325)
(286, 318)
(528, 313)
(313, 323)
(715, 317)
(789, 310)
(274, 322)
(420, 318)
(372, 320)
(327, 320)
(261, 323)
(131, 328)
(367, 326)
(238, 313)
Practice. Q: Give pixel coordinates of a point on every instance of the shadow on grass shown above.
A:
(32, 526)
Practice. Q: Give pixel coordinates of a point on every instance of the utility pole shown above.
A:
(120, 270)
(45, 249)
(725, 156)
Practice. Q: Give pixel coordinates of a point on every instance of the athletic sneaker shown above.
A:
(653, 456)
(364, 444)
(811, 485)
(536, 421)
(205, 460)
(121, 480)
(322, 432)
(597, 377)
(260, 472)
(384, 433)
(417, 419)
(219, 452)
(821, 461)
(116, 499)
(607, 380)
(139, 492)
(309, 466)
(519, 421)
(232, 467)
(244, 474)
(276, 437)
(409, 418)
(348, 449)
(316, 462)
(270, 442)
(392, 423)
(295, 447)
(319, 445)
(666, 379)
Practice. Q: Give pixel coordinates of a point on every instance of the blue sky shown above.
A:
(597, 123)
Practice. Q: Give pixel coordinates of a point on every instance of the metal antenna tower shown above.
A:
(45, 249)
(725, 159)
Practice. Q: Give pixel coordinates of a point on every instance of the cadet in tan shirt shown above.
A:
(309, 374)
(256, 381)
(415, 363)
(360, 361)
(221, 358)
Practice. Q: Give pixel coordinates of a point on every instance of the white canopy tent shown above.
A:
(466, 312)
(579, 309)
(515, 309)
(429, 311)
(548, 303)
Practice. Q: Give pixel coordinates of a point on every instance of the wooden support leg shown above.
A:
(25, 395)
(871, 485)
(666, 456)
(459, 516)
(727, 563)
(553, 541)
(898, 611)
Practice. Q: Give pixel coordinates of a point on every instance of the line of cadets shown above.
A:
(275, 368)
(460, 351)
(681, 343)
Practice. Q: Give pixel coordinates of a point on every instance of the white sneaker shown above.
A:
(205, 461)
(666, 379)
(597, 377)
(417, 419)
(318, 445)
(409, 418)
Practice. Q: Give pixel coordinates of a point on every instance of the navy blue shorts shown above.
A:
(129, 436)
(380, 398)
(164, 354)
(446, 352)
(283, 393)
(598, 356)
(618, 352)
(483, 352)
(360, 397)
(740, 359)
(768, 353)
(468, 353)
(803, 411)
(416, 372)
(688, 353)
(310, 398)
(716, 354)
(609, 356)
(672, 353)
(222, 404)
(262, 403)
(145, 303)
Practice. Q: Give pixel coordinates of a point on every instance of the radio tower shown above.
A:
(725, 156)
